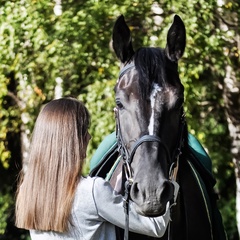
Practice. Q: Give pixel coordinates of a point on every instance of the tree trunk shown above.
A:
(228, 14)
(232, 104)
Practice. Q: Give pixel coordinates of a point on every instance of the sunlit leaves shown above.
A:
(5, 202)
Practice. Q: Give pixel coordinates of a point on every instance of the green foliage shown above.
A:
(5, 204)
(99, 99)
(228, 213)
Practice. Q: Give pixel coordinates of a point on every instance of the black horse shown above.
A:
(153, 138)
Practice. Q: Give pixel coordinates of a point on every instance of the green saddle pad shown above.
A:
(200, 153)
(108, 144)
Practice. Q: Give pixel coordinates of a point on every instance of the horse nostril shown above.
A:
(134, 190)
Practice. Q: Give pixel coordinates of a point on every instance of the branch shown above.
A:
(15, 98)
(228, 23)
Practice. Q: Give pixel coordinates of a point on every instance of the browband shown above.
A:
(125, 69)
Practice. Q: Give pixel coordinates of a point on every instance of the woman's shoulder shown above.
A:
(84, 195)
(84, 200)
(90, 181)
(90, 187)
(87, 184)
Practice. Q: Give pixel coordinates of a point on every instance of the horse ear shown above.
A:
(122, 41)
(176, 39)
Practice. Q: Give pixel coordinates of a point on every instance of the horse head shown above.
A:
(149, 103)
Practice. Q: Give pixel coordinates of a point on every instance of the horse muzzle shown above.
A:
(151, 199)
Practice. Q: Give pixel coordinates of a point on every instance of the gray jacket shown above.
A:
(96, 209)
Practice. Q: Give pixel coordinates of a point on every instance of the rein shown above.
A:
(128, 157)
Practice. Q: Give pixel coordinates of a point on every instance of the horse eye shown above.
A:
(119, 104)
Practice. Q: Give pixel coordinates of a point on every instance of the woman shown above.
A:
(54, 201)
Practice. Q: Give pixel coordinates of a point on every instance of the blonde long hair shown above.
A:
(58, 148)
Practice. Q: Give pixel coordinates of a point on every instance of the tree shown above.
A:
(229, 19)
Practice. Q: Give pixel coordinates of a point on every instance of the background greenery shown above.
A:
(42, 51)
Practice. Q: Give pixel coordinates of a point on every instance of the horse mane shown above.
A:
(150, 65)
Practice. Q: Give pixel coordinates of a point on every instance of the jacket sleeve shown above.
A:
(109, 206)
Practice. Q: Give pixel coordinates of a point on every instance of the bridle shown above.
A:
(128, 157)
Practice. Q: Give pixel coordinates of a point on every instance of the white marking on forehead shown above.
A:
(156, 89)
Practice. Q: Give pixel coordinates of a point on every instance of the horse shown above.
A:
(153, 139)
